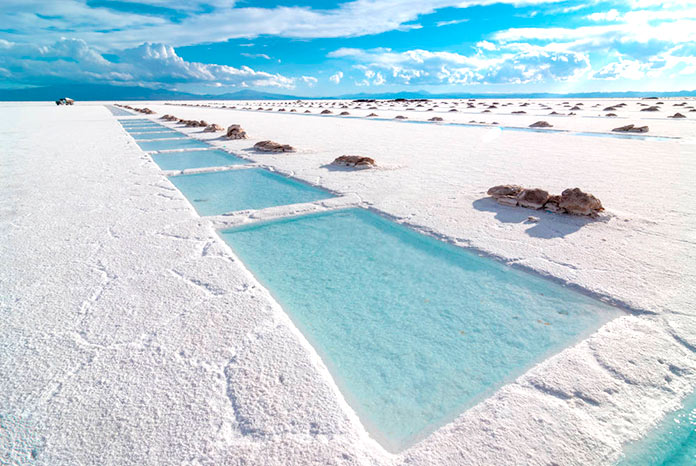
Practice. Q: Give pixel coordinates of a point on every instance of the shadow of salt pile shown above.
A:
(549, 225)
(343, 168)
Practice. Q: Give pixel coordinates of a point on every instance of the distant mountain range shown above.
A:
(118, 93)
(517, 95)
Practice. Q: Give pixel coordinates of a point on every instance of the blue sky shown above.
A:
(333, 47)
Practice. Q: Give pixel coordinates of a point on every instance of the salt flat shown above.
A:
(131, 333)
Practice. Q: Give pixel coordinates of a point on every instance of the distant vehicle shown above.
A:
(65, 101)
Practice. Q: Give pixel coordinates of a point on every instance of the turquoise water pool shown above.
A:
(132, 123)
(143, 127)
(196, 159)
(172, 144)
(158, 135)
(227, 191)
(149, 124)
(146, 129)
(117, 111)
(671, 443)
(151, 129)
(413, 330)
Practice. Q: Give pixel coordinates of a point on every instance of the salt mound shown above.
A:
(213, 128)
(573, 201)
(355, 161)
(533, 198)
(505, 190)
(576, 202)
(271, 146)
(631, 129)
(235, 132)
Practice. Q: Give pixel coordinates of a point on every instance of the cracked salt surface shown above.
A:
(159, 369)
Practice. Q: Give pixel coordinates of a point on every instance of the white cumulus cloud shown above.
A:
(216, 21)
(255, 55)
(336, 78)
(451, 22)
(516, 64)
(310, 81)
(629, 69)
(611, 15)
(484, 44)
(74, 60)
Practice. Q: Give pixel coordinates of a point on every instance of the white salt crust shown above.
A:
(132, 335)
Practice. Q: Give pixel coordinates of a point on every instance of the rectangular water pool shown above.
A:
(139, 123)
(413, 330)
(174, 144)
(158, 135)
(151, 129)
(227, 191)
(117, 111)
(196, 159)
(144, 127)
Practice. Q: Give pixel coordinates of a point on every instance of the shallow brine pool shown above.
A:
(196, 159)
(144, 127)
(413, 330)
(117, 111)
(172, 144)
(151, 129)
(141, 124)
(158, 135)
(231, 190)
(137, 122)
(671, 443)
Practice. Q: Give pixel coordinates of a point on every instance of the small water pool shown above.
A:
(138, 121)
(509, 128)
(173, 144)
(413, 330)
(671, 443)
(117, 111)
(143, 127)
(231, 190)
(196, 159)
(158, 135)
(591, 134)
(151, 129)
(143, 124)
